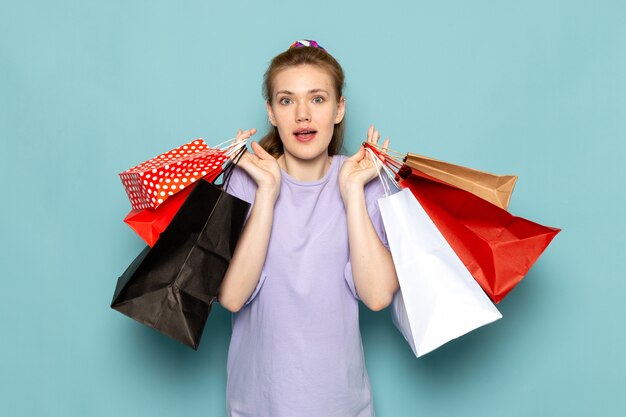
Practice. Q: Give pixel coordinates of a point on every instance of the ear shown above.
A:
(341, 110)
(270, 113)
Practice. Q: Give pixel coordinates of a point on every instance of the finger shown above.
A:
(370, 132)
(360, 154)
(243, 135)
(383, 151)
(260, 152)
(234, 141)
(375, 137)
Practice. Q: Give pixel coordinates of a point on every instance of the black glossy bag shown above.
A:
(171, 286)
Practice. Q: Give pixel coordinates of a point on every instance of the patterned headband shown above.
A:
(306, 42)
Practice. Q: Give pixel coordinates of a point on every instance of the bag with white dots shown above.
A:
(151, 183)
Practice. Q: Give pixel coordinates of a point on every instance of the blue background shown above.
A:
(89, 89)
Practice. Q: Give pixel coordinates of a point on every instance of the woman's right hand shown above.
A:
(260, 165)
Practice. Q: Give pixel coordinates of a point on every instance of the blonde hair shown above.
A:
(305, 55)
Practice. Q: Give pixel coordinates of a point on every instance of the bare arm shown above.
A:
(373, 271)
(247, 262)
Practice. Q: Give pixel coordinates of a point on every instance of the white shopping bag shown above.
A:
(438, 300)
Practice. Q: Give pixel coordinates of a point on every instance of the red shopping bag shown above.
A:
(150, 223)
(497, 248)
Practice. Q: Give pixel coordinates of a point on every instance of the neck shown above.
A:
(305, 170)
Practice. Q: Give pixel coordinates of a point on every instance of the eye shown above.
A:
(319, 99)
(284, 100)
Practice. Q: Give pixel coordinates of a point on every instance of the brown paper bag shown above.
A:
(496, 189)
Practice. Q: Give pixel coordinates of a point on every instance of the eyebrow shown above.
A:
(315, 90)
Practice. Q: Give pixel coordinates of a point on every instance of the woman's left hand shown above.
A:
(360, 169)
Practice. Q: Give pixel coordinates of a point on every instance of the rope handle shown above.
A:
(391, 163)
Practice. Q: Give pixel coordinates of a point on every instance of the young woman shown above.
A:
(313, 245)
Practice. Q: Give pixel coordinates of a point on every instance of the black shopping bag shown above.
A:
(171, 286)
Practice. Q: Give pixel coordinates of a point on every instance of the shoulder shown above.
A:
(240, 185)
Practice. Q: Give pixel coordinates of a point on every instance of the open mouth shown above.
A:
(305, 135)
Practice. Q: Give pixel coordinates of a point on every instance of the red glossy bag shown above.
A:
(150, 223)
(497, 248)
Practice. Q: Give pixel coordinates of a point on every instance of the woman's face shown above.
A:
(305, 110)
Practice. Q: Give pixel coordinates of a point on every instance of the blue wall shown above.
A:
(88, 89)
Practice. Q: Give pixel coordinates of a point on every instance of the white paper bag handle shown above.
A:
(378, 164)
(234, 148)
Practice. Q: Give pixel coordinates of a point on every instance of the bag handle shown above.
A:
(395, 164)
(381, 167)
(228, 171)
(376, 163)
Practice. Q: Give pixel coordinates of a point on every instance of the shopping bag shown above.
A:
(438, 300)
(151, 183)
(496, 247)
(496, 189)
(171, 286)
(150, 223)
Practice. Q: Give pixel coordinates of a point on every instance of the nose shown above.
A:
(302, 113)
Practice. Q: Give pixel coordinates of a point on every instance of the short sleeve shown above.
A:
(241, 185)
(347, 273)
(373, 191)
(258, 287)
